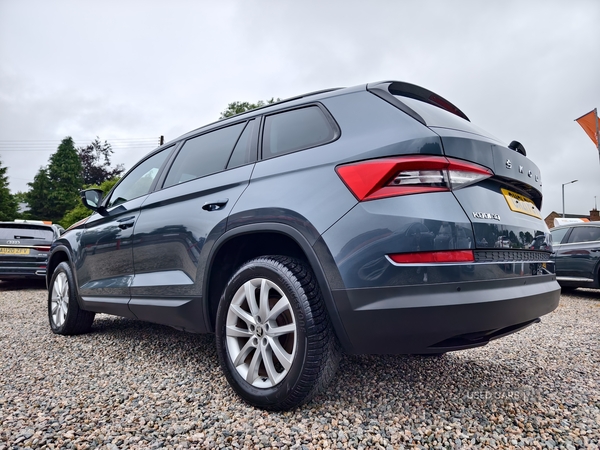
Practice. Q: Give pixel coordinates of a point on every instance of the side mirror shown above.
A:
(91, 198)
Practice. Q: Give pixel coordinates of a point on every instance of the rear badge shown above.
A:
(480, 215)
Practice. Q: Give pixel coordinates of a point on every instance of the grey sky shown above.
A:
(125, 69)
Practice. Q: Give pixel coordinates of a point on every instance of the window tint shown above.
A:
(204, 155)
(10, 231)
(139, 180)
(585, 234)
(244, 151)
(558, 235)
(295, 130)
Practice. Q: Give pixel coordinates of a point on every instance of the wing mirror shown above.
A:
(92, 199)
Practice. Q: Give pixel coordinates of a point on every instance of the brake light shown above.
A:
(446, 256)
(405, 175)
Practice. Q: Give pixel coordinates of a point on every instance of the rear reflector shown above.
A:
(42, 248)
(450, 256)
(405, 175)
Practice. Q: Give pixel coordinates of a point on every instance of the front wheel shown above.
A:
(274, 339)
(63, 310)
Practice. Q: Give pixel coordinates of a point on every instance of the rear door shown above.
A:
(207, 176)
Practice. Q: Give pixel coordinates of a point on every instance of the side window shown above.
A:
(585, 234)
(558, 235)
(295, 130)
(139, 180)
(244, 151)
(204, 154)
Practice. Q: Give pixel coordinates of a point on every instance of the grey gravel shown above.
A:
(130, 384)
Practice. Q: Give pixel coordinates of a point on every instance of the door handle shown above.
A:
(216, 205)
(126, 222)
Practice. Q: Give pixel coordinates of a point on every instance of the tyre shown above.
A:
(275, 342)
(64, 313)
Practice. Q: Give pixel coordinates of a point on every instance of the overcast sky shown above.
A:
(130, 71)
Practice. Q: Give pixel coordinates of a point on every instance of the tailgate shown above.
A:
(504, 209)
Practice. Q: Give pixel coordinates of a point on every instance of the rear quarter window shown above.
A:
(558, 235)
(296, 129)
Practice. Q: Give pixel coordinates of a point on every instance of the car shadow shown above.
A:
(592, 294)
(19, 285)
(400, 382)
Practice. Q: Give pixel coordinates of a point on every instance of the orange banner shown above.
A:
(589, 123)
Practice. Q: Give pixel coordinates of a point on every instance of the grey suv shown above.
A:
(371, 219)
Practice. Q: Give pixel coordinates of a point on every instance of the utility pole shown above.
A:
(161, 140)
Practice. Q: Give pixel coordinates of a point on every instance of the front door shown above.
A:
(105, 265)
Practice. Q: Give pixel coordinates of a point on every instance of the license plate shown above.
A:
(521, 204)
(14, 251)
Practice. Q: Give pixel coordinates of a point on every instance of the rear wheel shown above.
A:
(274, 339)
(63, 310)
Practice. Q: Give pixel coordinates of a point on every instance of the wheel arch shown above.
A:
(59, 254)
(245, 242)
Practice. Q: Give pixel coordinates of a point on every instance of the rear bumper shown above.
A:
(10, 275)
(442, 317)
(22, 271)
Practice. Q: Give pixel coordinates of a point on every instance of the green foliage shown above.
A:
(37, 196)
(240, 107)
(64, 172)
(8, 203)
(80, 211)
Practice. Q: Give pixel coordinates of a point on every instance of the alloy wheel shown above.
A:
(261, 333)
(60, 299)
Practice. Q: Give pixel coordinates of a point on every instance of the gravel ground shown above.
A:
(130, 384)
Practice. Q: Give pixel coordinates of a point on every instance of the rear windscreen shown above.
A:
(438, 117)
(9, 231)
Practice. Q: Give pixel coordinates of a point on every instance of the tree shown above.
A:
(8, 203)
(95, 161)
(80, 211)
(55, 189)
(37, 196)
(240, 107)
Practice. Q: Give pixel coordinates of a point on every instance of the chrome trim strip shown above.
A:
(579, 279)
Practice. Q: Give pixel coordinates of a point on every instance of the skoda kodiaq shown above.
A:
(372, 219)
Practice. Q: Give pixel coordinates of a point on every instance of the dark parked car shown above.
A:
(24, 248)
(363, 219)
(577, 254)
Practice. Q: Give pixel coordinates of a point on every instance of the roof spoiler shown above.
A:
(388, 89)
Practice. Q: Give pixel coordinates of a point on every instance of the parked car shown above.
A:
(24, 248)
(361, 219)
(577, 254)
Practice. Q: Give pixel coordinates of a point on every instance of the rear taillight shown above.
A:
(405, 175)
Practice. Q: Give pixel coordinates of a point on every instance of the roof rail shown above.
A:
(285, 100)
